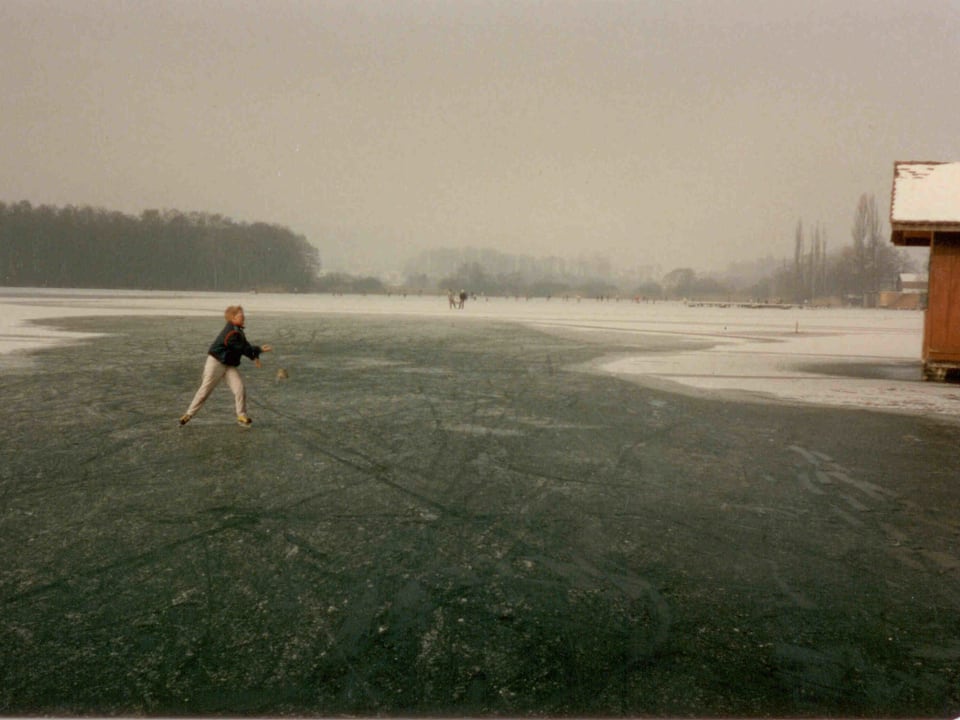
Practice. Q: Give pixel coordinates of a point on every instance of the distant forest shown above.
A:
(83, 247)
(851, 274)
(169, 250)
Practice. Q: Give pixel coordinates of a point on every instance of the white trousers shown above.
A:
(213, 372)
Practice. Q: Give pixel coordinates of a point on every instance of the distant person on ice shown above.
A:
(223, 361)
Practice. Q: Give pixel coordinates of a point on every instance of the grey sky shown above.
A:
(670, 133)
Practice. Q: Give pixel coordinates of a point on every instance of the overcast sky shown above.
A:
(672, 133)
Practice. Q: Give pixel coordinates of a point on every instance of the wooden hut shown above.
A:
(925, 211)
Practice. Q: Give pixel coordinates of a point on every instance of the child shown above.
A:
(223, 359)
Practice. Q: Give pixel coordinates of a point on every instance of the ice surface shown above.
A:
(839, 357)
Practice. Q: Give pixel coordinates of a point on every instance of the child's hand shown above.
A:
(256, 363)
(266, 348)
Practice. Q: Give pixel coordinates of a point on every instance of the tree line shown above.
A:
(866, 266)
(869, 264)
(171, 250)
(84, 247)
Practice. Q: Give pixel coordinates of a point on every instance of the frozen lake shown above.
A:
(466, 514)
(839, 357)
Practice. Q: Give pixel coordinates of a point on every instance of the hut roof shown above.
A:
(925, 199)
(913, 277)
(913, 283)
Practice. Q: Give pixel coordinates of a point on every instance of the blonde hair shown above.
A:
(231, 311)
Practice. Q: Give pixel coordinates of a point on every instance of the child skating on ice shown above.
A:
(223, 361)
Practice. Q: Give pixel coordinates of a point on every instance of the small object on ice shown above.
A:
(282, 374)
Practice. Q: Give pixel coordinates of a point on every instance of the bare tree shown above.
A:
(798, 262)
(866, 240)
(814, 285)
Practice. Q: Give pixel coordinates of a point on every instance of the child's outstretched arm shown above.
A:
(263, 349)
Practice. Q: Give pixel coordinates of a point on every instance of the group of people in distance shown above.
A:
(456, 301)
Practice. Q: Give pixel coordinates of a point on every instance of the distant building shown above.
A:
(925, 212)
(911, 293)
(912, 283)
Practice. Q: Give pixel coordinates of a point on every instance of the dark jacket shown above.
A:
(231, 343)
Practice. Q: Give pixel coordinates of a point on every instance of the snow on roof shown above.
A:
(925, 193)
